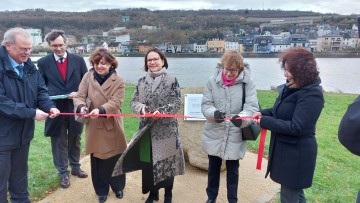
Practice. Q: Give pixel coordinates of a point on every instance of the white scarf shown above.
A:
(155, 78)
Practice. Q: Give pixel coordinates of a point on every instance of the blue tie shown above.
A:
(20, 69)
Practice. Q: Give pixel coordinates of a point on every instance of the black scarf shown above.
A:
(100, 79)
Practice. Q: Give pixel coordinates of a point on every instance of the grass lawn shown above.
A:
(336, 176)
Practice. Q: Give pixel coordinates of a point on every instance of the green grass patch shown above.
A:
(336, 175)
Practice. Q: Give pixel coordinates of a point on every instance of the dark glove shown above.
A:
(219, 116)
(236, 122)
(78, 109)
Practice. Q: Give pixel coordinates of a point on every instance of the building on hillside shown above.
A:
(200, 47)
(144, 47)
(114, 46)
(299, 40)
(329, 43)
(312, 37)
(125, 19)
(148, 27)
(232, 43)
(351, 40)
(279, 45)
(35, 35)
(262, 44)
(216, 45)
(246, 44)
(123, 38)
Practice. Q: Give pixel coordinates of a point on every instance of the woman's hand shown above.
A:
(143, 110)
(154, 114)
(94, 113)
(257, 118)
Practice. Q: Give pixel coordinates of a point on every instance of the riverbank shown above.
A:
(246, 55)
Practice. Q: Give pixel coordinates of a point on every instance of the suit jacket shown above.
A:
(76, 69)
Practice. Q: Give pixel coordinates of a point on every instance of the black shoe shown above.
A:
(119, 194)
(152, 196)
(102, 198)
(65, 182)
(211, 201)
(79, 173)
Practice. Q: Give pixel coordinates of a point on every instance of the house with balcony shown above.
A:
(299, 40)
(246, 44)
(262, 44)
(330, 42)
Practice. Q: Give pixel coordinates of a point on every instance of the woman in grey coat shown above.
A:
(222, 140)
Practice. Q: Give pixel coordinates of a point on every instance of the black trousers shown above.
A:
(66, 149)
(101, 174)
(232, 178)
(13, 174)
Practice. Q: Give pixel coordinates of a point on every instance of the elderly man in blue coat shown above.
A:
(62, 72)
(23, 99)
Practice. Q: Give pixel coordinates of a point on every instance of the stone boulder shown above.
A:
(191, 133)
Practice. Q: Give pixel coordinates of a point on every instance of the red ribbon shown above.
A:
(161, 115)
(261, 148)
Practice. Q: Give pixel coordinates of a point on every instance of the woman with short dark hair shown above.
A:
(292, 121)
(102, 91)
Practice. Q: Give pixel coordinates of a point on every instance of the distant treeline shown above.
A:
(95, 22)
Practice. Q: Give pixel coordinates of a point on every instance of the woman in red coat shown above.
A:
(292, 121)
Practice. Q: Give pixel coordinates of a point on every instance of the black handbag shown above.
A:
(349, 128)
(252, 131)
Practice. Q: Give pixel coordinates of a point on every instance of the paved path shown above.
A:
(189, 188)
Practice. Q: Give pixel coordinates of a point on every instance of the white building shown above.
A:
(35, 35)
(148, 27)
(123, 38)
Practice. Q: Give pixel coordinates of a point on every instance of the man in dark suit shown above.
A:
(62, 72)
(23, 99)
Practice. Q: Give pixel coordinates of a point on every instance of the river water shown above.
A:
(337, 74)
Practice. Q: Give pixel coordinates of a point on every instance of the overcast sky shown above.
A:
(345, 7)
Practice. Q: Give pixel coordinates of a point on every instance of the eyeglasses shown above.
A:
(231, 70)
(24, 50)
(55, 46)
(153, 59)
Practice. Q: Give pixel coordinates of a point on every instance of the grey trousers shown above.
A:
(65, 150)
(13, 170)
(288, 195)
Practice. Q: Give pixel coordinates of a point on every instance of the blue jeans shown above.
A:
(232, 178)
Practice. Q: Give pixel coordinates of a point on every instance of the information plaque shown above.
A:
(192, 107)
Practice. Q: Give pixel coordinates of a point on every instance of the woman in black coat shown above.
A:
(292, 120)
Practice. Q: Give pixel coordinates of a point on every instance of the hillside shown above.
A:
(188, 22)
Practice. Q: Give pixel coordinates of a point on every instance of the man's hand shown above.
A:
(72, 95)
(54, 112)
(40, 115)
